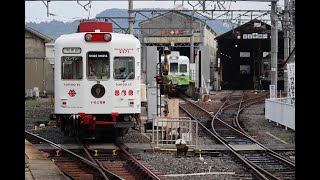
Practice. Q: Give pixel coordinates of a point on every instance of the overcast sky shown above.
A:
(36, 11)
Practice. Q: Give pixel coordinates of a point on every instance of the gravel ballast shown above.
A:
(38, 111)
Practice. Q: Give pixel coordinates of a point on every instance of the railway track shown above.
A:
(88, 164)
(226, 128)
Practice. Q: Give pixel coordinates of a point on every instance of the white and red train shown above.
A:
(97, 81)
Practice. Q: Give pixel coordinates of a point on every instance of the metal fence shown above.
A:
(281, 111)
(168, 130)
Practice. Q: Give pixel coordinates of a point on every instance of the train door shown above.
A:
(98, 76)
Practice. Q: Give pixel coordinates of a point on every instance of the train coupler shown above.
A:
(88, 120)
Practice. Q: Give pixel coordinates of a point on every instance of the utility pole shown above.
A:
(274, 45)
(191, 39)
(286, 28)
(292, 27)
(131, 19)
(48, 14)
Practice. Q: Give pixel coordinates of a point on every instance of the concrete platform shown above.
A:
(39, 167)
(103, 146)
(246, 147)
(151, 146)
(48, 146)
(214, 147)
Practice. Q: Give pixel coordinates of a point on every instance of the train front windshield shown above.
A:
(173, 67)
(71, 67)
(123, 68)
(183, 68)
(98, 66)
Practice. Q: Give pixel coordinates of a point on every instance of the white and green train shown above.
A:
(178, 70)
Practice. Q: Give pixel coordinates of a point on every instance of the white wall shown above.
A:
(50, 53)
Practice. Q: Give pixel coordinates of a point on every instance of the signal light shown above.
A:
(166, 50)
(166, 67)
(159, 79)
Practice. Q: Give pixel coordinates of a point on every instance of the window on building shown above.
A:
(98, 66)
(173, 67)
(123, 68)
(183, 68)
(245, 69)
(71, 67)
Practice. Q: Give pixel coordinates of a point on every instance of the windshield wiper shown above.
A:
(128, 76)
(95, 77)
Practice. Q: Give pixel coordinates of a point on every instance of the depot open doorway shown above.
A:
(245, 60)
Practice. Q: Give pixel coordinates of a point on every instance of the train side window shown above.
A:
(173, 67)
(183, 68)
(98, 66)
(123, 68)
(71, 67)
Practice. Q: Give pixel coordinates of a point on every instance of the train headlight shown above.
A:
(88, 37)
(98, 90)
(107, 37)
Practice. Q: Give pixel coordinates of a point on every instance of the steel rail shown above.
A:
(86, 161)
(251, 167)
(242, 132)
(237, 131)
(129, 156)
(273, 153)
(85, 147)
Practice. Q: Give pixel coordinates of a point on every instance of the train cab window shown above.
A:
(173, 67)
(98, 66)
(183, 68)
(71, 67)
(123, 68)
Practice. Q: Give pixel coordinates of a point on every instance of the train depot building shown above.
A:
(173, 30)
(244, 59)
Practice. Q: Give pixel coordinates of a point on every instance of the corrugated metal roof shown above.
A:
(239, 27)
(183, 14)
